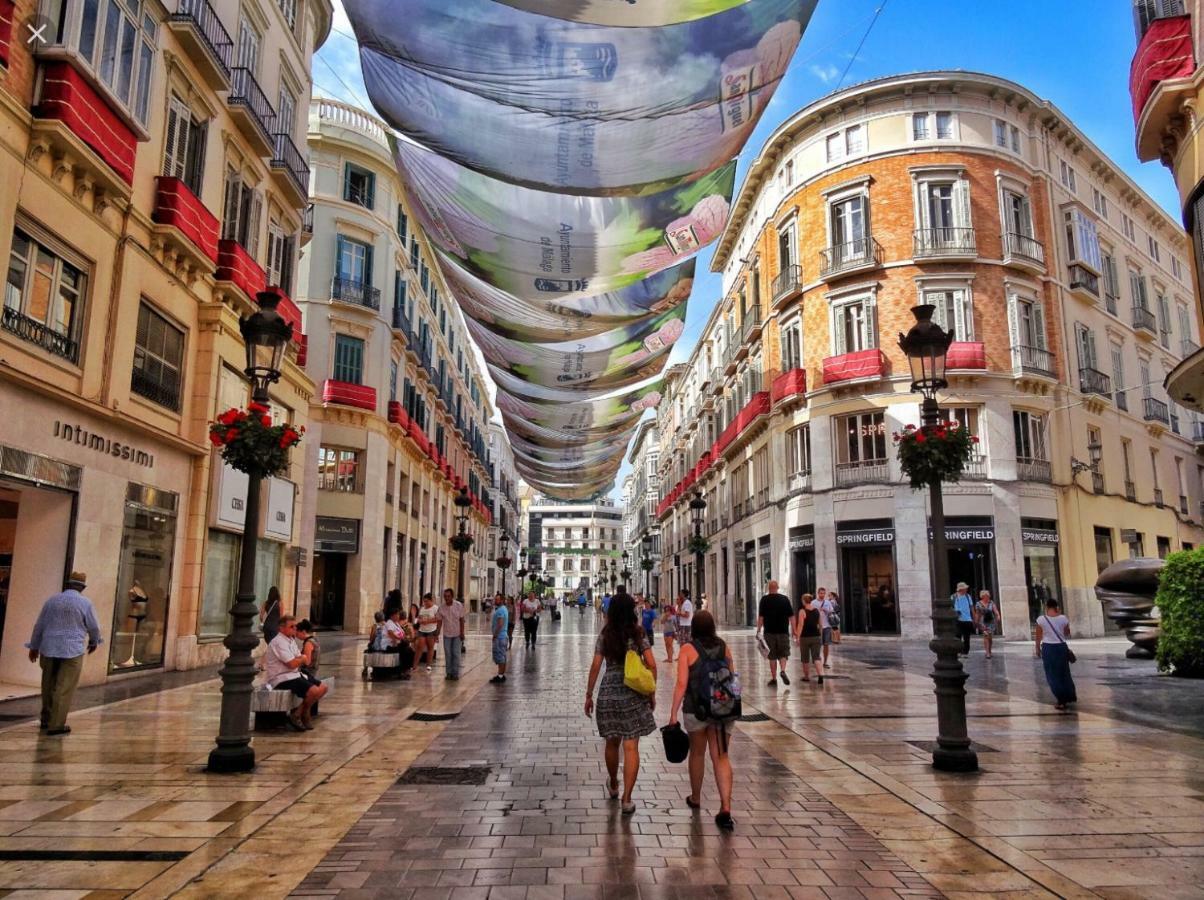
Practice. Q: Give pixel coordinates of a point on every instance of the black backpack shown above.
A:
(714, 689)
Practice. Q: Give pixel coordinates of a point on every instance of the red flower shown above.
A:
(231, 435)
(228, 417)
(920, 437)
(215, 439)
(266, 421)
(258, 408)
(940, 433)
(911, 427)
(241, 417)
(973, 440)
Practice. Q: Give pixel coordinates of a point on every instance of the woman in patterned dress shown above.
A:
(624, 716)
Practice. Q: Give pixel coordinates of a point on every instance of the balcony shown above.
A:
(787, 285)
(1093, 381)
(345, 393)
(1144, 322)
(398, 415)
(205, 39)
(966, 356)
(307, 225)
(867, 471)
(856, 256)
(1130, 492)
(1154, 410)
(863, 365)
(291, 169)
(1030, 468)
(976, 468)
(1161, 71)
(800, 482)
(730, 361)
(185, 229)
(752, 324)
(790, 384)
(945, 243)
(237, 266)
(401, 323)
(250, 109)
(38, 334)
(348, 290)
(1084, 284)
(1032, 361)
(1024, 251)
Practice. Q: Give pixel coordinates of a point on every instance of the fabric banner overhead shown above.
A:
(566, 106)
(625, 12)
(568, 318)
(539, 245)
(603, 414)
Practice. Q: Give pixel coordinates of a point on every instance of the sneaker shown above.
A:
(773, 682)
(827, 665)
(428, 668)
(785, 679)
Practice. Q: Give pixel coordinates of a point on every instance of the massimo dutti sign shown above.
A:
(80, 436)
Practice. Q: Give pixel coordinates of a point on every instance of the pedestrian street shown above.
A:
(834, 795)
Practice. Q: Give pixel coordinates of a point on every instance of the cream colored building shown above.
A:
(641, 499)
(507, 513)
(149, 195)
(1070, 295)
(401, 408)
(574, 543)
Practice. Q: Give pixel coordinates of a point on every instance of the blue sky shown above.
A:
(1075, 53)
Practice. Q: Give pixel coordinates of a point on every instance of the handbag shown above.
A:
(638, 676)
(677, 743)
(1070, 657)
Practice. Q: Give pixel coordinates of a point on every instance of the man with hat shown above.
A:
(963, 606)
(58, 644)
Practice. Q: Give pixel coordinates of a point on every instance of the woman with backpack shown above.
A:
(986, 617)
(708, 694)
(624, 716)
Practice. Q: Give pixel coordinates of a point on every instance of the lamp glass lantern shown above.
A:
(927, 347)
(266, 335)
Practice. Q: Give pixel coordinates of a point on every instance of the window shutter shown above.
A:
(1014, 328)
(1039, 323)
(961, 329)
(869, 324)
(230, 207)
(347, 181)
(256, 209)
(172, 165)
(368, 266)
(370, 183)
(839, 318)
(194, 169)
(961, 201)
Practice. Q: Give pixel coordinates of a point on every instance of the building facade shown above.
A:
(1070, 298)
(572, 545)
(506, 514)
(153, 190)
(400, 412)
(1167, 87)
(640, 506)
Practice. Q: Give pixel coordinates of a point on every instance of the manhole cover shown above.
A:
(432, 717)
(445, 775)
(755, 717)
(930, 746)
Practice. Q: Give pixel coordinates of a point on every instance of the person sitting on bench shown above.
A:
(284, 662)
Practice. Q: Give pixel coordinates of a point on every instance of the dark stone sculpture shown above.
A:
(1126, 589)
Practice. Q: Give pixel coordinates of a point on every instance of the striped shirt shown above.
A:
(65, 621)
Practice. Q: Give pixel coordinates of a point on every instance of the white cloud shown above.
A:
(825, 73)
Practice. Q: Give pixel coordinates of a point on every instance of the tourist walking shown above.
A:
(829, 610)
(428, 629)
(669, 628)
(707, 694)
(66, 628)
(1053, 631)
(511, 620)
(685, 616)
(809, 633)
(500, 631)
(269, 614)
(986, 619)
(775, 615)
(624, 716)
(530, 613)
(451, 624)
(648, 620)
(963, 606)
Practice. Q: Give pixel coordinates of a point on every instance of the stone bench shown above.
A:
(270, 706)
(388, 661)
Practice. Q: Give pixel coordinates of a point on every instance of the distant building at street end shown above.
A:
(573, 544)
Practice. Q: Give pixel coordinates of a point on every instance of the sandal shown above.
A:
(725, 821)
(628, 809)
(294, 723)
(692, 803)
(612, 789)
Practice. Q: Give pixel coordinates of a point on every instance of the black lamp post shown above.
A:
(646, 563)
(926, 345)
(503, 560)
(697, 508)
(613, 577)
(626, 573)
(462, 542)
(266, 335)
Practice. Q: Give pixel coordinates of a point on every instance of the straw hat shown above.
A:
(78, 578)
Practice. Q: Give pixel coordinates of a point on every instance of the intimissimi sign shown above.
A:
(79, 435)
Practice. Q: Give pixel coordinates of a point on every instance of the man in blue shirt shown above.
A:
(963, 606)
(58, 644)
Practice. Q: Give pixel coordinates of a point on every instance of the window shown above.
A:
(338, 470)
(919, 127)
(835, 145)
(786, 257)
(286, 110)
(967, 417)
(792, 347)
(1028, 325)
(353, 262)
(952, 310)
(158, 359)
(861, 439)
(1099, 203)
(853, 325)
(848, 142)
(1085, 342)
(1163, 306)
(1029, 431)
(414, 252)
(184, 153)
(1111, 282)
(849, 225)
(393, 381)
(1082, 239)
(1067, 174)
(1137, 290)
(1103, 548)
(241, 212)
(249, 43)
(116, 41)
(1018, 214)
(1118, 377)
(1155, 250)
(1185, 332)
(798, 450)
(1126, 227)
(403, 225)
(1176, 268)
(42, 297)
(359, 186)
(289, 9)
(1007, 136)
(944, 126)
(282, 252)
(348, 359)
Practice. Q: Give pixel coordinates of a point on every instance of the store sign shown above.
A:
(802, 538)
(333, 535)
(866, 537)
(231, 497)
(279, 520)
(1038, 536)
(963, 534)
(77, 434)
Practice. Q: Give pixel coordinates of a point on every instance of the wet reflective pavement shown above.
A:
(834, 794)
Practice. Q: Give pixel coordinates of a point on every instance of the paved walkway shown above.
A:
(834, 794)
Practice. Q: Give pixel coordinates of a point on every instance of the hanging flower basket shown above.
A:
(503, 562)
(698, 544)
(934, 453)
(646, 565)
(250, 443)
(461, 543)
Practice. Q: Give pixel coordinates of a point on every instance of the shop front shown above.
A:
(867, 576)
(801, 542)
(970, 551)
(1042, 573)
(335, 539)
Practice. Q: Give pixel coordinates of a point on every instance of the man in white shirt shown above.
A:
(529, 609)
(685, 617)
(451, 618)
(283, 663)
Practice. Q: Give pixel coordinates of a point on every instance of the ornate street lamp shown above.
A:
(522, 572)
(626, 573)
(646, 563)
(504, 560)
(698, 543)
(266, 335)
(462, 542)
(613, 577)
(926, 346)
